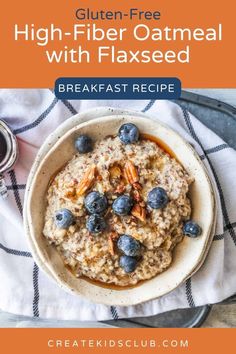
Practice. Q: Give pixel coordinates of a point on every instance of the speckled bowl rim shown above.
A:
(102, 112)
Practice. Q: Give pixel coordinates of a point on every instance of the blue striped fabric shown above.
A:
(16, 187)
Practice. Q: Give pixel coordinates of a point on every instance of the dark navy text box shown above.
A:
(84, 88)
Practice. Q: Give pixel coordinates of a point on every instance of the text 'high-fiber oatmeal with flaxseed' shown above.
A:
(119, 207)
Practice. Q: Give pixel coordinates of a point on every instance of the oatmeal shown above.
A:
(116, 212)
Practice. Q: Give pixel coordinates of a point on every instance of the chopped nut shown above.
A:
(139, 212)
(114, 235)
(137, 196)
(86, 181)
(131, 173)
(137, 186)
(115, 172)
(120, 188)
(111, 245)
(70, 193)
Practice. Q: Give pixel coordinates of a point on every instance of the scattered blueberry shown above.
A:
(157, 198)
(84, 144)
(95, 203)
(128, 133)
(95, 224)
(128, 245)
(128, 263)
(122, 205)
(63, 218)
(192, 229)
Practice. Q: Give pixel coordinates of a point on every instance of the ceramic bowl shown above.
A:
(188, 255)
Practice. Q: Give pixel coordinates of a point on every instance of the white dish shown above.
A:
(189, 254)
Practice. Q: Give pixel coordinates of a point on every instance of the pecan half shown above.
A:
(139, 212)
(131, 173)
(86, 181)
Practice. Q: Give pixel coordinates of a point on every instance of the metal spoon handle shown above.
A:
(3, 188)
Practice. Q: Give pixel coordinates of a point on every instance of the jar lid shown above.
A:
(8, 153)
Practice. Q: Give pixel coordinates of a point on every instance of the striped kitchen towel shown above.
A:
(24, 289)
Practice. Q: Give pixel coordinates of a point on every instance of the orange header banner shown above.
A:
(126, 340)
(44, 40)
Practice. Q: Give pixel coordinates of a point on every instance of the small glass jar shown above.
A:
(8, 154)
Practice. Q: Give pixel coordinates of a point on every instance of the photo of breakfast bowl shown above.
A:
(119, 210)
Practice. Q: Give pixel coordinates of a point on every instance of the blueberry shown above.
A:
(192, 229)
(122, 205)
(63, 218)
(95, 203)
(129, 246)
(95, 224)
(157, 198)
(128, 133)
(84, 144)
(128, 263)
